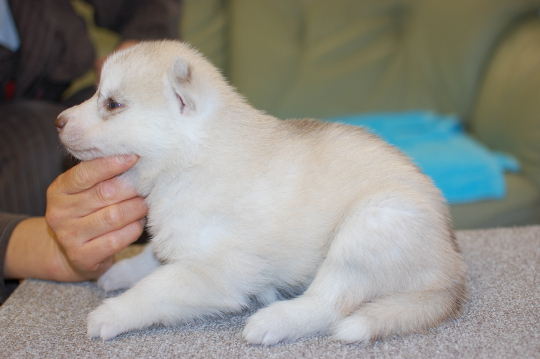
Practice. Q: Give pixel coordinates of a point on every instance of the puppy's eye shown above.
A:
(112, 104)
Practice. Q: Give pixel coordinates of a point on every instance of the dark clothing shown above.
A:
(55, 50)
(7, 224)
(30, 155)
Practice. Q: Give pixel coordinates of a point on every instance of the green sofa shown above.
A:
(477, 59)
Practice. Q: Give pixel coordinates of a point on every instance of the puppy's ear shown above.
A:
(182, 71)
(181, 78)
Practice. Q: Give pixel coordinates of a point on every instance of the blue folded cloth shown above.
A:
(463, 168)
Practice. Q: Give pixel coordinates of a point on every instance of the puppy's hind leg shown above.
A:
(288, 320)
(317, 308)
(387, 246)
(314, 312)
(414, 277)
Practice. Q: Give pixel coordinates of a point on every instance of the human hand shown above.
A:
(93, 215)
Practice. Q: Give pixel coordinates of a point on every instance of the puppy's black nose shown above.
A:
(60, 123)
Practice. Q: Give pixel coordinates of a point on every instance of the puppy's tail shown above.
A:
(401, 313)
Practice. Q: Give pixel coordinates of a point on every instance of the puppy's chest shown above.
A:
(186, 223)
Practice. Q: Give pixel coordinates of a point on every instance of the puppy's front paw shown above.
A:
(119, 276)
(108, 320)
(271, 325)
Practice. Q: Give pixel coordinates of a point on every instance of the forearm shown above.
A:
(32, 252)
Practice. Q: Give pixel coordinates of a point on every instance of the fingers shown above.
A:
(113, 217)
(89, 173)
(86, 188)
(96, 256)
(103, 194)
(109, 192)
(116, 241)
(74, 233)
(94, 214)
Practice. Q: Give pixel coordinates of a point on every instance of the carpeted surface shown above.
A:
(502, 320)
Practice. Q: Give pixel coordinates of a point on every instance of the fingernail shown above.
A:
(125, 159)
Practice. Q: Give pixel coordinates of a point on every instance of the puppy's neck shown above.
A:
(149, 173)
(229, 133)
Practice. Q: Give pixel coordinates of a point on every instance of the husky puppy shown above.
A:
(325, 225)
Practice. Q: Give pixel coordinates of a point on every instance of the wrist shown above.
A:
(33, 252)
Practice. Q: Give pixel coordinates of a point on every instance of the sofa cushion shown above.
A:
(324, 58)
(507, 117)
(520, 207)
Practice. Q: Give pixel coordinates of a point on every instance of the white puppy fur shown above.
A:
(246, 209)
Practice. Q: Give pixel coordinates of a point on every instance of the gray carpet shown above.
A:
(502, 320)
